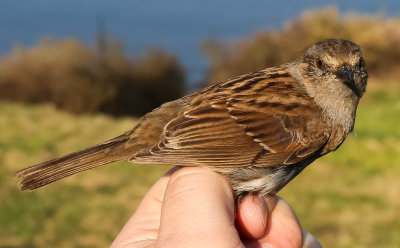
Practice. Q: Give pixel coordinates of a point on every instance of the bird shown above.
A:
(257, 130)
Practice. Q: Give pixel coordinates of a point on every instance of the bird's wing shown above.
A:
(239, 129)
(203, 135)
(288, 131)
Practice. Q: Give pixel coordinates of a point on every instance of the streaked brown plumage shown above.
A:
(259, 130)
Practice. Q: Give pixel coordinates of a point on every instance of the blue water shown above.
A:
(179, 26)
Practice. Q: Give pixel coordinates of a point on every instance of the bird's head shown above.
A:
(334, 66)
(333, 73)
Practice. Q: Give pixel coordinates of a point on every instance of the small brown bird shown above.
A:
(259, 130)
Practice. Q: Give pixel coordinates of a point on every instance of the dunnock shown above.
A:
(259, 130)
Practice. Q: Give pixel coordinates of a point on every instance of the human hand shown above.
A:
(194, 207)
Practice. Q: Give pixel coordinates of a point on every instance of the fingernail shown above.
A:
(261, 208)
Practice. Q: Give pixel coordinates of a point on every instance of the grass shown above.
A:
(87, 210)
(349, 198)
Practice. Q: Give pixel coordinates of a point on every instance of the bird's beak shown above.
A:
(347, 75)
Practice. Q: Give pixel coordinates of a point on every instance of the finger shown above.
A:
(283, 228)
(142, 227)
(251, 217)
(198, 211)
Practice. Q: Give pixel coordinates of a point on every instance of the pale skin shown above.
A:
(194, 207)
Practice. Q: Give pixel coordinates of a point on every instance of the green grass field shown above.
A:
(349, 198)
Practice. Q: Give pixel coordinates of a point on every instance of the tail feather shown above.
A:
(47, 172)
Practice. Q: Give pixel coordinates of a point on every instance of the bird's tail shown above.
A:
(50, 171)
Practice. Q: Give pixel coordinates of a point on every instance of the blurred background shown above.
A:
(74, 73)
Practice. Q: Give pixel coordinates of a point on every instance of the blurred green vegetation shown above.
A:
(68, 213)
(349, 198)
(378, 36)
(80, 79)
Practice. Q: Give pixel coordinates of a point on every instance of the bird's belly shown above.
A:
(262, 180)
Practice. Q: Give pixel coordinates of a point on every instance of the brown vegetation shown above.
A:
(379, 38)
(78, 79)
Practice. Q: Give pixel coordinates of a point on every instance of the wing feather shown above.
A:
(262, 127)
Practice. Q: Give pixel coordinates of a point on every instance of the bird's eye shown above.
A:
(320, 64)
